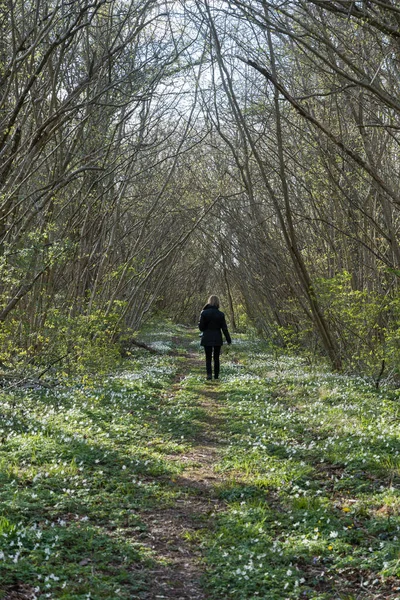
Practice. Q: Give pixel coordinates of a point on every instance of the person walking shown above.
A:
(212, 321)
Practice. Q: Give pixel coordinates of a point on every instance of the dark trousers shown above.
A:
(209, 353)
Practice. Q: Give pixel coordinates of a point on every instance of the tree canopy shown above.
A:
(153, 152)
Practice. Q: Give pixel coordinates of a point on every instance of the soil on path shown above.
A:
(171, 533)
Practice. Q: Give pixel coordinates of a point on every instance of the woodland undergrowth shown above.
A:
(308, 477)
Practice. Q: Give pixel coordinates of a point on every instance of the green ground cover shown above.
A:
(77, 464)
(313, 469)
(309, 475)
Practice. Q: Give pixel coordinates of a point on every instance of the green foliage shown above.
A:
(243, 323)
(85, 340)
(66, 344)
(20, 263)
(365, 323)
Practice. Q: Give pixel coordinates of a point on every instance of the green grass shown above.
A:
(312, 490)
(78, 466)
(309, 475)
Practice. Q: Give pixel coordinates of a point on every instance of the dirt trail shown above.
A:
(168, 529)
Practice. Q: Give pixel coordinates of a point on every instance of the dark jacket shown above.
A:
(211, 322)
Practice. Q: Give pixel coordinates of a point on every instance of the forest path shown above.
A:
(150, 483)
(171, 533)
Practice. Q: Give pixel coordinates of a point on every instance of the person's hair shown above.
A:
(213, 301)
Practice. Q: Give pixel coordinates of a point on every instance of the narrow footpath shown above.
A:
(171, 534)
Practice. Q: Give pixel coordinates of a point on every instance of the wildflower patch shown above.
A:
(313, 460)
(277, 482)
